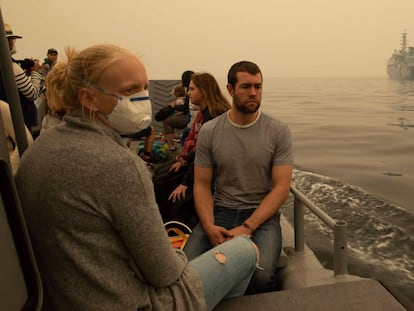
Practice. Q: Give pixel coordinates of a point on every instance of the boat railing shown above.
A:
(339, 227)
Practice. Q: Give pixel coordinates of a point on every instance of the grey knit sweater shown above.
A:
(96, 230)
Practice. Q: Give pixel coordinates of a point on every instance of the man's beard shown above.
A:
(247, 108)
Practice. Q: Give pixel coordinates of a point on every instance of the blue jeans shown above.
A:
(225, 270)
(268, 238)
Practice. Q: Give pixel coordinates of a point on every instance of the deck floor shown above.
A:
(358, 295)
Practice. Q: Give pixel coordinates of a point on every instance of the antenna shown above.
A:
(404, 41)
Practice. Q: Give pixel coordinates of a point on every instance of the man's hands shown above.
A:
(36, 65)
(218, 235)
(241, 230)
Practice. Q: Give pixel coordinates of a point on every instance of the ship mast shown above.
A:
(404, 42)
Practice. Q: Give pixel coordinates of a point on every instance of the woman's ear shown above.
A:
(87, 99)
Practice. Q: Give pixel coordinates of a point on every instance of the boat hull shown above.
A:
(401, 71)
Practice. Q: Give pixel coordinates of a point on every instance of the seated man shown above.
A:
(250, 154)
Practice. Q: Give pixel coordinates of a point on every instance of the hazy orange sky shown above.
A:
(300, 38)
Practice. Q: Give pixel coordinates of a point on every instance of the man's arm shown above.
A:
(281, 177)
(205, 206)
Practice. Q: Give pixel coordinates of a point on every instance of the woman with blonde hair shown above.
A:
(89, 205)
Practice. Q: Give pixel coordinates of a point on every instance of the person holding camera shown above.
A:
(49, 61)
(28, 80)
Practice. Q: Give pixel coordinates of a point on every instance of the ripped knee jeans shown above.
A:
(225, 270)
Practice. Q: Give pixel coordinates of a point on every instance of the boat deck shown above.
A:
(306, 285)
(363, 294)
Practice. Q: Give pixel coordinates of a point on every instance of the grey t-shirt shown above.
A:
(242, 158)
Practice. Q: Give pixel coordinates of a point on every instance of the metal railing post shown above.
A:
(339, 227)
(299, 224)
(340, 262)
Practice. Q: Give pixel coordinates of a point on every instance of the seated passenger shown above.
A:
(51, 120)
(11, 136)
(52, 117)
(148, 134)
(174, 188)
(174, 116)
(89, 203)
(247, 156)
(193, 109)
(179, 93)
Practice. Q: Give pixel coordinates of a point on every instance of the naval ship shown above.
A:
(400, 65)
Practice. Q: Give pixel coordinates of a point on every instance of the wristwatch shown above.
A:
(246, 225)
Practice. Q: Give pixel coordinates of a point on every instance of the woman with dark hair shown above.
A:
(174, 188)
(186, 78)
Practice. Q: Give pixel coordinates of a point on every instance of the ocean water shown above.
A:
(353, 144)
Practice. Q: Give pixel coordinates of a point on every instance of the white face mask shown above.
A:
(132, 113)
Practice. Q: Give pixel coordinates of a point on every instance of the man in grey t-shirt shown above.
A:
(250, 156)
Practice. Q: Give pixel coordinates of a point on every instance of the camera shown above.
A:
(26, 63)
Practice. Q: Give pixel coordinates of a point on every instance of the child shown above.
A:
(179, 93)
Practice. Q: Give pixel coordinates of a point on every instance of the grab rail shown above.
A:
(339, 227)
